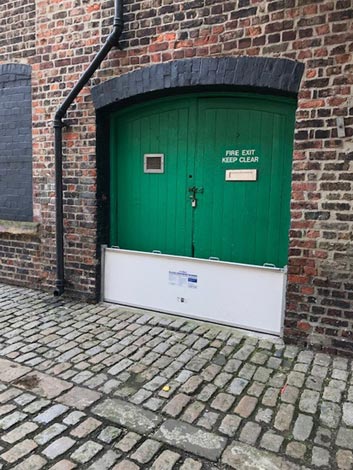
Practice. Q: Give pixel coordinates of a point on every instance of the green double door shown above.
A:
(201, 205)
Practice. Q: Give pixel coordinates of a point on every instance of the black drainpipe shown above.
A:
(112, 40)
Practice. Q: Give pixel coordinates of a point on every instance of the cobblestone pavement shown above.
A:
(102, 387)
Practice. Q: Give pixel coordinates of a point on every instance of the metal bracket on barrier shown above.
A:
(269, 265)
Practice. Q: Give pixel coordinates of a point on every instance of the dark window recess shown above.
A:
(15, 142)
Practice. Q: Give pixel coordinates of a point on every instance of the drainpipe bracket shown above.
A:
(60, 124)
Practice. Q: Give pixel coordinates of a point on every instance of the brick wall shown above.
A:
(315, 32)
(17, 31)
(19, 246)
(20, 260)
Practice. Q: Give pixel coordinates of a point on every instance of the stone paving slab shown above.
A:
(79, 397)
(10, 371)
(244, 457)
(43, 384)
(192, 439)
(127, 415)
(103, 387)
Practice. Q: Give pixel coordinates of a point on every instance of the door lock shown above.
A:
(194, 190)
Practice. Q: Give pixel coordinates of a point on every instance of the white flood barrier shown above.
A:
(250, 297)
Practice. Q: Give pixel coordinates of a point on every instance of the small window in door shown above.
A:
(154, 163)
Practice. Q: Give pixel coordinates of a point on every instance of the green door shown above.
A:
(151, 211)
(199, 205)
(243, 221)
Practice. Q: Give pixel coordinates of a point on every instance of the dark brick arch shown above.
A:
(260, 73)
(12, 72)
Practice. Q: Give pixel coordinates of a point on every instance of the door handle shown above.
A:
(194, 190)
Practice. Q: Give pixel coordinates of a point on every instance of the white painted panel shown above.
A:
(250, 297)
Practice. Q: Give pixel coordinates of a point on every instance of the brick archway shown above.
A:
(258, 73)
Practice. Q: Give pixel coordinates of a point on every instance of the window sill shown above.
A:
(19, 228)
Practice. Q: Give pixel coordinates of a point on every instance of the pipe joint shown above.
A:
(118, 24)
(113, 38)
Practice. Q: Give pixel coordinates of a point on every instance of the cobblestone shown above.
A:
(222, 402)
(192, 412)
(330, 414)
(246, 406)
(146, 451)
(344, 459)
(109, 434)
(270, 397)
(191, 464)
(192, 384)
(126, 465)
(345, 438)
(290, 394)
(296, 450)
(50, 414)
(19, 450)
(237, 386)
(323, 437)
(128, 442)
(207, 392)
(86, 427)
(309, 401)
(256, 389)
(58, 447)
(176, 405)
(284, 417)
(250, 433)
(85, 452)
(303, 427)
(101, 387)
(348, 414)
(34, 462)
(11, 419)
(271, 441)
(20, 432)
(320, 457)
(166, 461)
(230, 424)
(208, 420)
(264, 415)
(105, 462)
(74, 418)
(332, 394)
